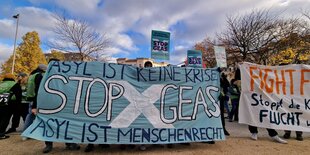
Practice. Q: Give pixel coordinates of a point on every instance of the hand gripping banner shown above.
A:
(104, 103)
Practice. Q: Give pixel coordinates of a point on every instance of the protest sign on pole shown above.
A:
(194, 58)
(220, 55)
(275, 97)
(102, 103)
(160, 43)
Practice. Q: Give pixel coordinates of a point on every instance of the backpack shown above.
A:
(5, 92)
(31, 86)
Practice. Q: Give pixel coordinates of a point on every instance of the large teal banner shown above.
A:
(160, 44)
(94, 102)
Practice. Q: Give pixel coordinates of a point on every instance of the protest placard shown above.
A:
(220, 55)
(160, 44)
(194, 58)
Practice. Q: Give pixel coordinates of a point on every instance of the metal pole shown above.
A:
(13, 64)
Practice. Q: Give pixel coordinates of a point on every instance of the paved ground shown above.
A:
(237, 143)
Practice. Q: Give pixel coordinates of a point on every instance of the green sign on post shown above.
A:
(160, 45)
(194, 58)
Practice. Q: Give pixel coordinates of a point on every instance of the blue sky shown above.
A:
(128, 23)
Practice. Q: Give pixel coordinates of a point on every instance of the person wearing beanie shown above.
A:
(32, 93)
(20, 109)
(42, 67)
(11, 94)
(33, 84)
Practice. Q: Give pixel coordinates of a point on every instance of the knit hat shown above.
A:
(42, 67)
(9, 76)
(22, 74)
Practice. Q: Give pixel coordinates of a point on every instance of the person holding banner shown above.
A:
(271, 132)
(90, 147)
(147, 64)
(32, 93)
(225, 87)
(253, 129)
(10, 95)
(238, 73)
(287, 134)
(31, 89)
(234, 96)
(142, 147)
(224, 84)
(224, 99)
(20, 109)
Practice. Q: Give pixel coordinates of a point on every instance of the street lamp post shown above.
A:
(13, 64)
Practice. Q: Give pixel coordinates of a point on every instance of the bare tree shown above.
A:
(291, 27)
(250, 34)
(306, 13)
(78, 36)
(259, 37)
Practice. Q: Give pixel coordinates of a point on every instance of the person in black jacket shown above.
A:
(234, 96)
(8, 86)
(224, 84)
(19, 109)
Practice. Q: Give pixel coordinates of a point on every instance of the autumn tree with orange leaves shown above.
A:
(28, 55)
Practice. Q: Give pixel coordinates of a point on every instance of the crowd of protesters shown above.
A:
(21, 93)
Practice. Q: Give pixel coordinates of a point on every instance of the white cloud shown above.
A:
(5, 52)
(180, 47)
(188, 21)
(178, 54)
(36, 19)
(284, 3)
(110, 59)
(79, 7)
(30, 19)
(7, 28)
(124, 41)
(37, 2)
(199, 18)
(114, 50)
